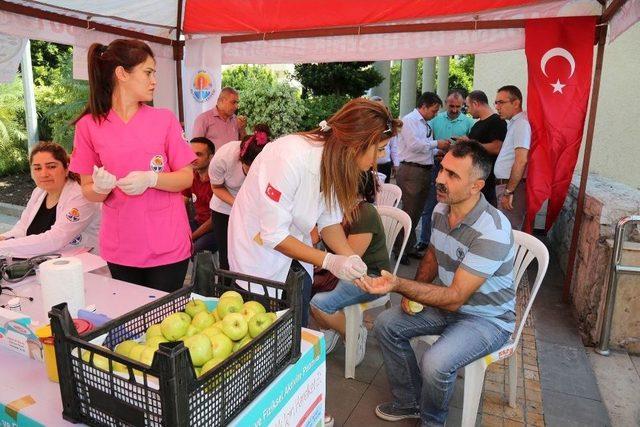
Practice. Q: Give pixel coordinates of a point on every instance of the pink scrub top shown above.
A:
(150, 229)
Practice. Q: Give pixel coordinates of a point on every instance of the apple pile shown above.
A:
(210, 336)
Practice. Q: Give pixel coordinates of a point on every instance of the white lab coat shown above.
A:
(77, 224)
(280, 197)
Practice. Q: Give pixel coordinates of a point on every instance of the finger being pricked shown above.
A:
(361, 282)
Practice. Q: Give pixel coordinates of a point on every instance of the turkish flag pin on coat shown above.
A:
(272, 193)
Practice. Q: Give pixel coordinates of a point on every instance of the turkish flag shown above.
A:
(559, 59)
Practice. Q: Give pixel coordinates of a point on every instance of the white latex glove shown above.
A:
(137, 182)
(103, 181)
(345, 267)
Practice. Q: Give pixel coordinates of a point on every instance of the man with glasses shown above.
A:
(416, 148)
(511, 165)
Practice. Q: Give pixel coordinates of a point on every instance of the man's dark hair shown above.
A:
(206, 141)
(459, 92)
(427, 99)
(478, 96)
(480, 159)
(514, 93)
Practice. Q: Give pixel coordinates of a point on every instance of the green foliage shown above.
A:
(60, 103)
(13, 135)
(337, 78)
(461, 72)
(321, 108)
(274, 103)
(47, 60)
(243, 77)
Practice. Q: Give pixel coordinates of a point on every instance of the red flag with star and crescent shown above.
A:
(559, 60)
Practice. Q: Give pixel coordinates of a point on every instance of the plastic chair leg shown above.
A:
(473, 382)
(513, 379)
(353, 316)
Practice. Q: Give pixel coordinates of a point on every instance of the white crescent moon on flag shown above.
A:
(557, 51)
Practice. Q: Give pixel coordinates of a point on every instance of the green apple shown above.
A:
(273, 316)
(234, 326)
(247, 313)
(212, 363)
(136, 351)
(232, 294)
(185, 316)
(259, 323)
(244, 341)
(191, 331)
(153, 331)
(146, 356)
(221, 346)
(215, 315)
(200, 349)
(212, 330)
(125, 347)
(203, 320)
(228, 305)
(154, 342)
(194, 307)
(175, 326)
(255, 306)
(198, 371)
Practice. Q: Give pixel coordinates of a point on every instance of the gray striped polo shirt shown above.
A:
(482, 243)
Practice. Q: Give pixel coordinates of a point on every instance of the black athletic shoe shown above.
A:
(388, 412)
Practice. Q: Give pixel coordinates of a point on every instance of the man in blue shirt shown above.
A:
(447, 124)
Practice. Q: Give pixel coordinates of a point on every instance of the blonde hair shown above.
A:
(351, 131)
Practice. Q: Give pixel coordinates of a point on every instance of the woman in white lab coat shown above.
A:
(300, 181)
(57, 217)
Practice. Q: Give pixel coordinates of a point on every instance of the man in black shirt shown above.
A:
(490, 130)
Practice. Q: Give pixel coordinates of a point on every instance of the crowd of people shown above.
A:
(302, 203)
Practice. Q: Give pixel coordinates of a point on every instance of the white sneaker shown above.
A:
(330, 338)
(362, 344)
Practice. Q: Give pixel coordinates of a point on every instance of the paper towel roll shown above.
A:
(62, 281)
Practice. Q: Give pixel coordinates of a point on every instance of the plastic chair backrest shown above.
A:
(528, 248)
(389, 195)
(394, 220)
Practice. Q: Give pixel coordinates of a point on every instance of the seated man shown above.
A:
(465, 281)
(201, 192)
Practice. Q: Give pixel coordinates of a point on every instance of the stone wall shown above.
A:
(605, 203)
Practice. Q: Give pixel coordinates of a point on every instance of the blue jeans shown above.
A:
(344, 294)
(429, 206)
(206, 242)
(429, 386)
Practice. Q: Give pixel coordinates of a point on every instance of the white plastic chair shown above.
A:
(389, 195)
(527, 248)
(393, 220)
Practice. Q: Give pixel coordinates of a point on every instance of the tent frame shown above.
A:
(178, 54)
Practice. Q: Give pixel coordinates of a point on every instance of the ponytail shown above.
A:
(102, 62)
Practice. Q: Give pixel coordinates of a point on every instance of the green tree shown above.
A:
(47, 60)
(320, 108)
(243, 77)
(277, 104)
(461, 72)
(13, 134)
(350, 79)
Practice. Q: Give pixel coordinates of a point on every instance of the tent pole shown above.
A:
(178, 54)
(584, 174)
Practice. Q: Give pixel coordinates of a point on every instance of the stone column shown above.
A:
(408, 86)
(443, 77)
(428, 74)
(382, 90)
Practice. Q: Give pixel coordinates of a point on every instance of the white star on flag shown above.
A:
(557, 86)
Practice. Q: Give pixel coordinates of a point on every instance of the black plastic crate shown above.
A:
(167, 393)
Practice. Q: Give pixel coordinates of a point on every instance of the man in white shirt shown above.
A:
(511, 165)
(416, 148)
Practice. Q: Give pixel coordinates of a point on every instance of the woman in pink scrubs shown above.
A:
(134, 159)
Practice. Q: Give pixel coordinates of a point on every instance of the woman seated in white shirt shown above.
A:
(57, 218)
(227, 172)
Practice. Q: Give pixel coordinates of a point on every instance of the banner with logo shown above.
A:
(560, 59)
(201, 78)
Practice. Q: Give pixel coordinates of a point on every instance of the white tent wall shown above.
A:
(616, 121)
(41, 29)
